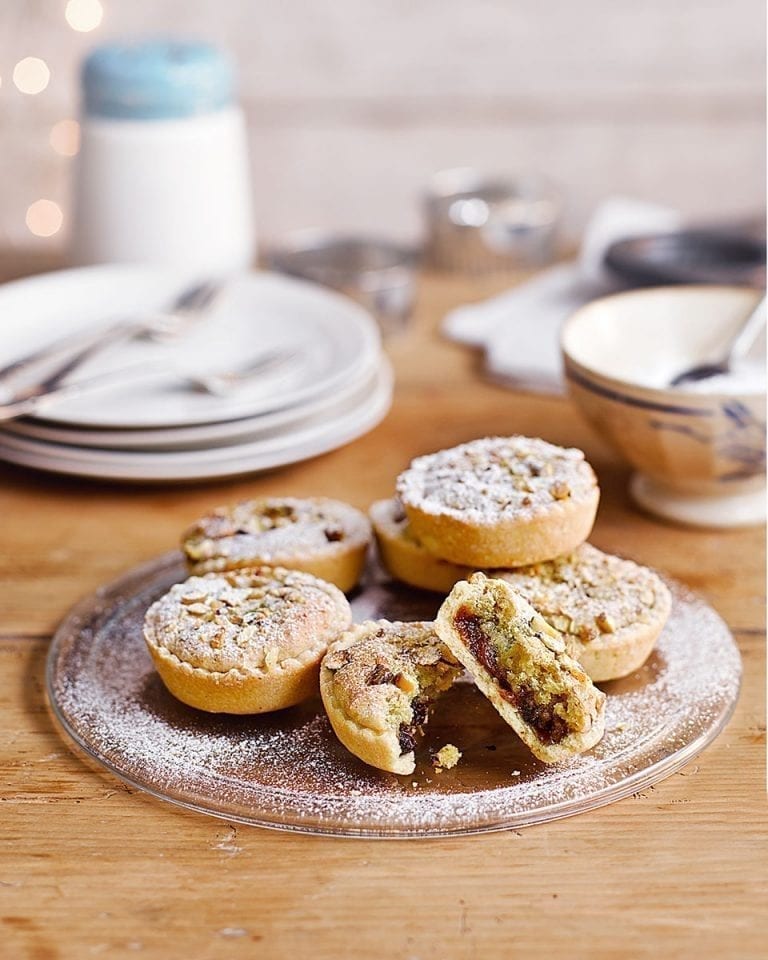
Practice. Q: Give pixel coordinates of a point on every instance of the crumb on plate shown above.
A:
(446, 757)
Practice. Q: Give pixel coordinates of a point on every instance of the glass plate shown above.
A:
(287, 770)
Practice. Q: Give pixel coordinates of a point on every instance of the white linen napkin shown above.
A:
(519, 329)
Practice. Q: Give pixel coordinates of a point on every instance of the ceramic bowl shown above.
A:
(699, 454)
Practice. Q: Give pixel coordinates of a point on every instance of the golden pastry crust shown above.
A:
(404, 556)
(521, 665)
(324, 537)
(378, 682)
(610, 610)
(500, 501)
(245, 641)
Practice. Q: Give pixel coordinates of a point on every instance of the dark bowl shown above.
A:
(689, 256)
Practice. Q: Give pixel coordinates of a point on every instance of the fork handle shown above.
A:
(117, 334)
(78, 347)
(22, 406)
(84, 342)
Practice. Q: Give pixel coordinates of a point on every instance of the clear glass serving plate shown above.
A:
(287, 770)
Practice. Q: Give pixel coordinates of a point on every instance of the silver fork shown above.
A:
(220, 384)
(226, 382)
(191, 305)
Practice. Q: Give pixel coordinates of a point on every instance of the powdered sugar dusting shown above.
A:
(228, 622)
(288, 770)
(496, 478)
(589, 593)
(278, 531)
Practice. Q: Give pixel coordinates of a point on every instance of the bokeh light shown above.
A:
(31, 75)
(44, 218)
(65, 137)
(84, 15)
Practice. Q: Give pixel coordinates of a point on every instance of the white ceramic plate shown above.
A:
(256, 312)
(319, 436)
(204, 435)
(303, 426)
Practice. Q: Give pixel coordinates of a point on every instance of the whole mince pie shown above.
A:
(609, 610)
(324, 537)
(500, 501)
(245, 641)
(403, 554)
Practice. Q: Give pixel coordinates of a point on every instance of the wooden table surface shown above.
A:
(91, 867)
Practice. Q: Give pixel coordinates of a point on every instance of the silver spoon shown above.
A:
(739, 347)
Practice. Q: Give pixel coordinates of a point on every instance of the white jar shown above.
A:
(162, 174)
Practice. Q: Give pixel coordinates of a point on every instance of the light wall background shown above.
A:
(353, 104)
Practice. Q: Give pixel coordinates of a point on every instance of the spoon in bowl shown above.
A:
(739, 347)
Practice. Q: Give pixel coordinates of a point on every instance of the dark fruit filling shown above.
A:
(541, 717)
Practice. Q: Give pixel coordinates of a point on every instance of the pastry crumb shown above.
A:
(446, 757)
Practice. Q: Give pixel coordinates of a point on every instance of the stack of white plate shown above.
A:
(155, 426)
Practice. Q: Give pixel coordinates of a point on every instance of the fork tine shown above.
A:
(221, 384)
(198, 297)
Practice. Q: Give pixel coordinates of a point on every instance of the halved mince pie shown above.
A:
(247, 641)
(378, 682)
(521, 665)
(500, 501)
(324, 537)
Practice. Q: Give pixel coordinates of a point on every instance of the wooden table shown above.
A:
(91, 867)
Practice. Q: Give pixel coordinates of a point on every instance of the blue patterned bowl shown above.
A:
(699, 453)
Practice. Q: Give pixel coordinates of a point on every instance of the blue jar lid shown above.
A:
(156, 80)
